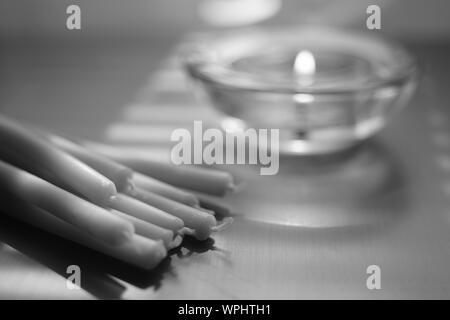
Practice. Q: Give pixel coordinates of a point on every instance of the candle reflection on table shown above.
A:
(310, 193)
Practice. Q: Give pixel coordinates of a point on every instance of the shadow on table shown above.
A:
(191, 245)
(98, 270)
(362, 188)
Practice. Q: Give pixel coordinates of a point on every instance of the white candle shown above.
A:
(164, 189)
(116, 172)
(209, 181)
(205, 180)
(201, 222)
(67, 169)
(85, 215)
(145, 212)
(138, 251)
(151, 231)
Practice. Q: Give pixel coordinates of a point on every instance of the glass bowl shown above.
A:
(325, 90)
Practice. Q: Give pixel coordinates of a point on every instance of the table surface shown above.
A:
(309, 232)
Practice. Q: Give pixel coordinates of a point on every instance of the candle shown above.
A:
(138, 209)
(325, 90)
(151, 231)
(164, 189)
(85, 215)
(218, 208)
(304, 70)
(138, 251)
(201, 222)
(41, 154)
(119, 174)
(188, 177)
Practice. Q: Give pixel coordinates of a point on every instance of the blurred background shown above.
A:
(121, 43)
(161, 18)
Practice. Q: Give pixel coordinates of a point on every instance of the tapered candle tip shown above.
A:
(236, 187)
(176, 241)
(161, 252)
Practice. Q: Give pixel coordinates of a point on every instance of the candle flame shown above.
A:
(305, 64)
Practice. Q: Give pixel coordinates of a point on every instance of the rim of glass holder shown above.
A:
(203, 60)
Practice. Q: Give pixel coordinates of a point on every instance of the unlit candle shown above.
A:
(85, 215)
(138, 251)
(69, 170)
(201, 222)
(143, 211)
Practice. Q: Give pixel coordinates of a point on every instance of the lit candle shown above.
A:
(304, 69)
(122, 176)
(85, 215)
(325, 90)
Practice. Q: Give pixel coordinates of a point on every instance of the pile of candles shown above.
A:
(99, 201)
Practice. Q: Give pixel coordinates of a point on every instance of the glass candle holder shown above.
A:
(325, 90)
